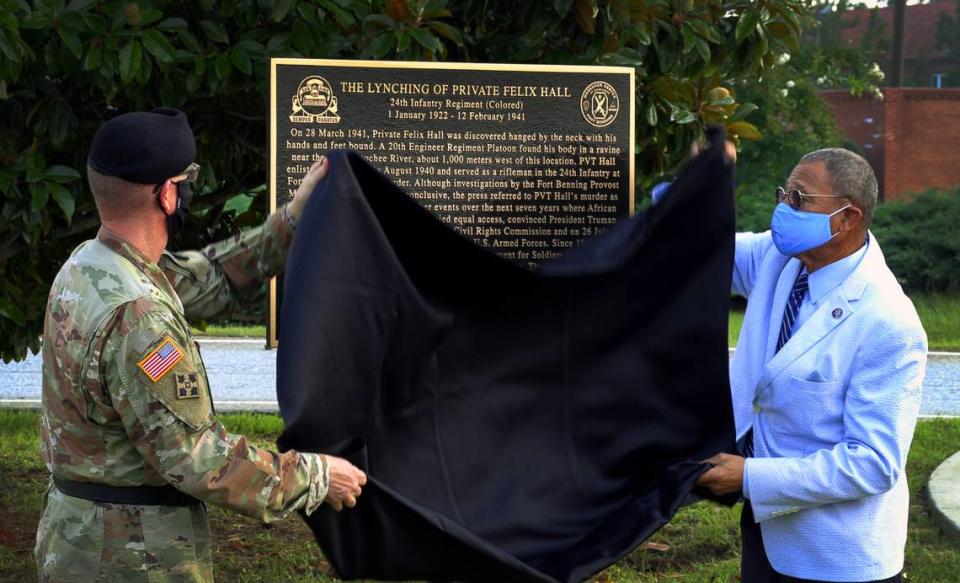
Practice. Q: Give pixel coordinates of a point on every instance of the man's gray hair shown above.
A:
(850, 176)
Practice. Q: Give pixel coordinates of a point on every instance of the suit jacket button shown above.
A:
(837, 312)
(757, 408)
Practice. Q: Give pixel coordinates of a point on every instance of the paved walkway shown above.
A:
(944, 489)
(243, 377)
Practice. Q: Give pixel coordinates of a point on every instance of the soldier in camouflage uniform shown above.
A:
(128, 429)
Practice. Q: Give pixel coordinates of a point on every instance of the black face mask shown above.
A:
(177, 220)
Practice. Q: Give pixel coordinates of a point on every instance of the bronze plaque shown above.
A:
(525, 160)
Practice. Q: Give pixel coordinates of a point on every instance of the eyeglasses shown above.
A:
(191, 173)
(795, 198)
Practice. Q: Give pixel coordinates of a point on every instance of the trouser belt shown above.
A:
(138, 495)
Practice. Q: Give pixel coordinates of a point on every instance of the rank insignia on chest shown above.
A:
(188, 385)
(161, 359)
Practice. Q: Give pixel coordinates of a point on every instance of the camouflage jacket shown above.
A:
(126, 400)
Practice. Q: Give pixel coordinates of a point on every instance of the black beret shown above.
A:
(144, 147)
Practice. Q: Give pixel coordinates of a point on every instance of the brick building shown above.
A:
(927, 58)
(911, 138)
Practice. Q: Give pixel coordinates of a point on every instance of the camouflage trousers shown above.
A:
(81, 540)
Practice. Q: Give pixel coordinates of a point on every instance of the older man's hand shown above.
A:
(726, 475)
(346, 481)
(313, 176)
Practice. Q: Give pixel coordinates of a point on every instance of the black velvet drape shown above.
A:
(516, 425)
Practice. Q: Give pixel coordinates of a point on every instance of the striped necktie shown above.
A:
(793, 308)
(799, 290)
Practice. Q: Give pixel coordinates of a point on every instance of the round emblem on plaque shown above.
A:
(599, 104)
(314, 102)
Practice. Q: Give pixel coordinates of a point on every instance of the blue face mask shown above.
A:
(797, 231)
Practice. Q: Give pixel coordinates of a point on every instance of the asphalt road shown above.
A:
(243, 376)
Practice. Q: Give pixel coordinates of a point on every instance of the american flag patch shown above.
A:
(160, 360)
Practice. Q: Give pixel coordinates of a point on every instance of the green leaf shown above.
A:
(704, 30)
(172, 24)
(61, 174)
(65, 199)
(58, 124)
(382, 45)
(682, 116)
(150, 16)
(651, 114)
(743, 111)
(251, 47)
(403, 39)
(528, 53)
(94, 56)
(241, 61)
(12, 312)
(302, 37)
(344, 19)
(130, 56)
(280, 9)
(222, 65)
(744, 129)
(6, 48)
(381, 19)
(747, 24)
(703, 48)
(39, 195)
(446, 31)
(689, 39)
(308, 13)
(35, 21)
(72, 41)
(158, 46)
(427, 40)
(238, 204)
(146, 68)
(189, 41)
(214, 31)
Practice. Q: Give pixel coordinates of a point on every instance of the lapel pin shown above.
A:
(837, 312)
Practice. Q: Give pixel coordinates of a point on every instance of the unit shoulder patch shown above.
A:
(188, 385)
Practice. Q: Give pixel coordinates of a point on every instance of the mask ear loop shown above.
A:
(839, 210)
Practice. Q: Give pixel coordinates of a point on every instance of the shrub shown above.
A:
(919, 240)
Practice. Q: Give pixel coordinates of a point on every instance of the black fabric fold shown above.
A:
(516, 424)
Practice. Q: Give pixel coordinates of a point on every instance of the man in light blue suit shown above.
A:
(826, 385)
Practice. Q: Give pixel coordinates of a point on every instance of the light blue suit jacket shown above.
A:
(833, 415)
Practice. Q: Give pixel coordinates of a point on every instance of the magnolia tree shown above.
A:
(67, 67)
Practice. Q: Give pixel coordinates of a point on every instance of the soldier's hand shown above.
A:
(346, 480)
(313, 176)
(729, 151)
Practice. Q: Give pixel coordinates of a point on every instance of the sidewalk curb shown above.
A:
(227, 406)
(944, 492)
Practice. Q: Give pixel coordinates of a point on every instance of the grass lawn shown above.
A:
(231, 331)
(940, 315)
(700, 544)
